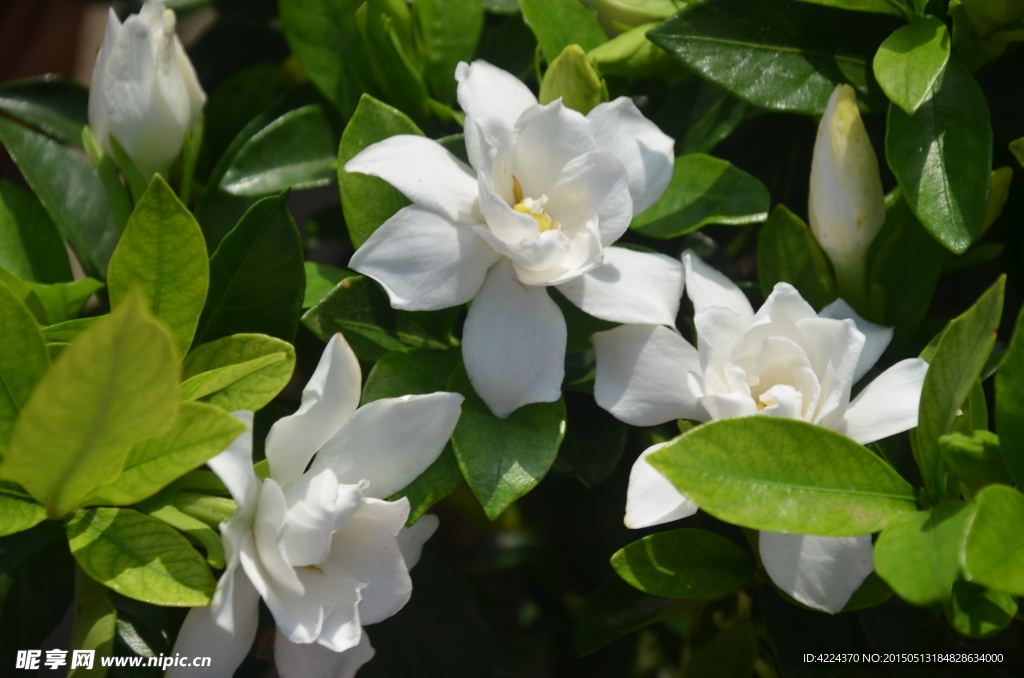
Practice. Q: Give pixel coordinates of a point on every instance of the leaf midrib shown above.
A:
(773, 48)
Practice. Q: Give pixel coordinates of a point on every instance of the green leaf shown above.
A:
(503, 459)
(993, 550)
(1010, 404)
(140, 557)
(321, 279)
(30, 246)
(842, 490)
(95, 623)
(18, 511)
(974, 458)
(257, 280)
(560, 23)
(55, 105)
(917, 553)
(787, 251)
(873, 592)
(942, 157)
(978, 613)
(196, 531)
(450, 31)
(892, 7)
(24, 294)
(572, 78)
(958, 361)
(64, 301)
(1017, 148)
(115, 385)
(366, 201)
(294, 151)
(69, 190)
(730, 654)
(684, 563)
(69, 329)
(778, 54)
(199, 433)
(23, 361)
(579, 325)
(162, 251)
(594, 442)
(911, 60)
(704, 190)
(239, 372)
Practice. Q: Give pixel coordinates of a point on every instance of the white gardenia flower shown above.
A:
(783, 361)
(322, 547)
(144, 90)
(547, 191)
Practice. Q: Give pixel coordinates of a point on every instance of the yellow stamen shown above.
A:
(535, 208)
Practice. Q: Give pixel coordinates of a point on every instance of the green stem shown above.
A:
(851, 281)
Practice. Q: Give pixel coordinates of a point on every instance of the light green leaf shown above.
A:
(64, 301)
(257, 280)
(140, 557)
(974, 457)
(911, 60)
(67, 331)
(199, 433)
(451, 31)
(321, 279)
(294, 151)
(195, 530)
(917, 553)
(366, 201)
(503, 459)
(685, 563)
(1017, 148)
(892, 7)
(23, 361)
(560, 23)
(841, 490)
(69, 190)
(704, 190)
(958, 361)
(53, 104)
(977, 613)
(993, 550)
(777, 54)
(162, 251)
(573, 79)
(1010, 404)
(24, 295)
(115, 385)
(95, 624)
(18, 511)
(942, 157)
(239, 372)
(30, 245)
(787, 251)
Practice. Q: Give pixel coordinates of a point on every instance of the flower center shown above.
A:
(535, 208)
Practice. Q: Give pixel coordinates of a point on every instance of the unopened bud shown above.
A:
(571, 77)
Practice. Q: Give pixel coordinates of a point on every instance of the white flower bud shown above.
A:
(144, 89)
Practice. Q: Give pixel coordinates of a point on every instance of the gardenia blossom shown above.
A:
(322, 547)
(784, 361)
(144, 89)
(547, 191)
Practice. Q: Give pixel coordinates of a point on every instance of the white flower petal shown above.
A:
(328, 400)
(372, 555)
(312, 660)
(390, 516)
(629, 287)
(888, 405)
(652, 499)
(641, 375)
(425, 172)
(876, 337)
(820, 572)
(726, 405)
(513, 343)
(234, 468)
(546, 139)
(411, 539)
(784, 307)
(315, 505)
(424, 261)
(487, 93)
(201, 636)
(592, 186)
(708, 288)
(268, 535)
(647, 152)
(391, 441)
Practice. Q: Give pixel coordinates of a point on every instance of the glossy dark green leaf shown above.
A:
(53, 104)
(30, 245)
(294, 151)
(893, 7)
(978, 613)
(685, 563)
(942, 157)
(594, 442)
(366, 201)
(503, 459)
(234, 103)
(560, 23)
(579, 325)
(844, 489)
(69, 190)
(321, 279)
(23, 361)
(704, 190)
(954, 369)
(1010, 404)
(699, 115)
(451, 31)
(778, 54)
(257, 280)
(993, 550)
(911, 60)
(787, 251)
